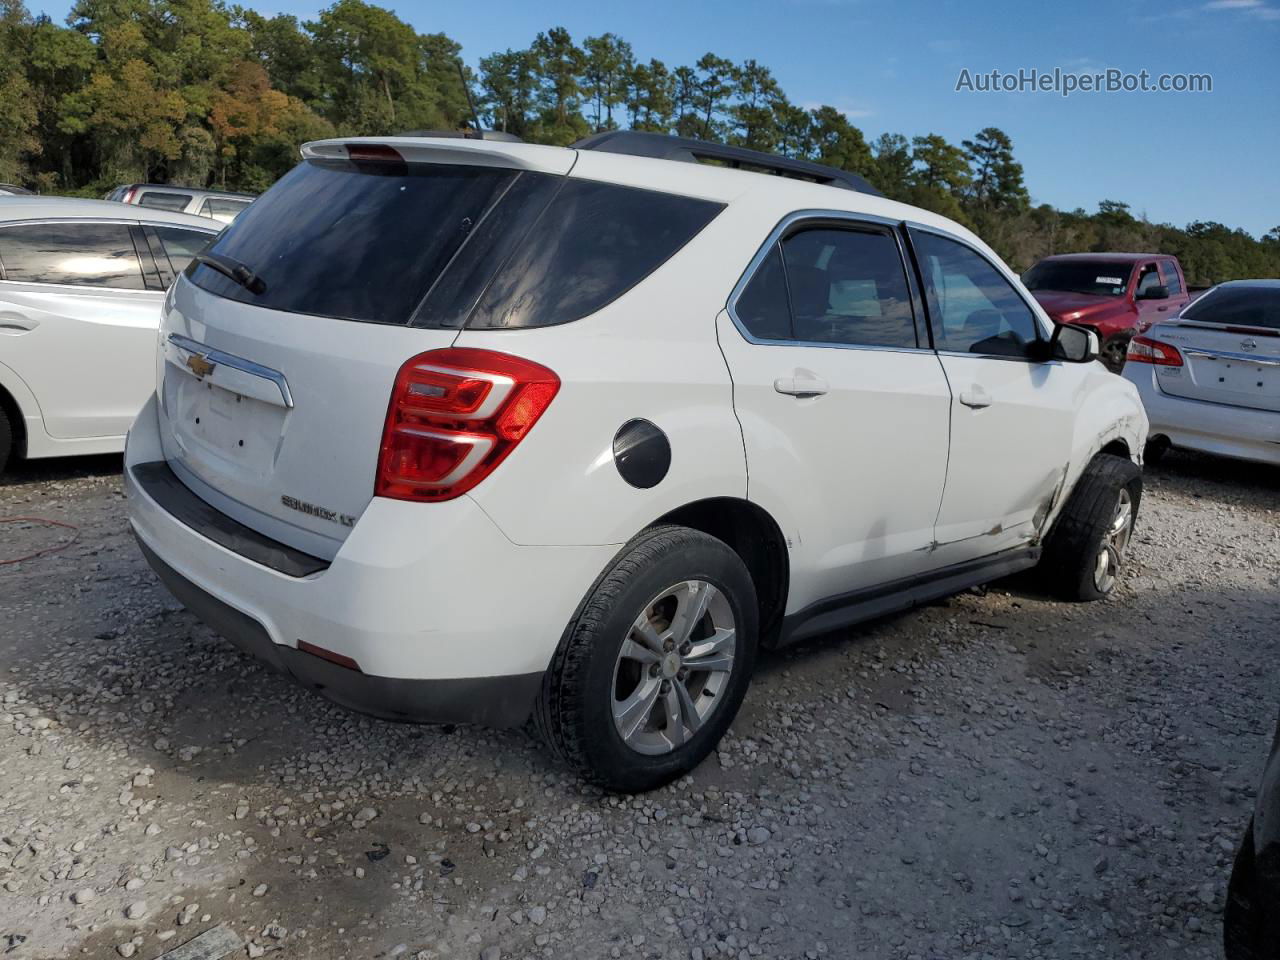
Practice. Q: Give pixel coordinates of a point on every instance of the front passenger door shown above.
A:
(1011, 416)
(843, 405)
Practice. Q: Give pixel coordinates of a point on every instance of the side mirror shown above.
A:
(1074, 344)
(1158, 292)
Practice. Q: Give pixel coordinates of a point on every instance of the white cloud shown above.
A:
(1258, 9)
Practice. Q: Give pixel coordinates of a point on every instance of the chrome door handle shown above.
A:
(976, 398)
(801, 386)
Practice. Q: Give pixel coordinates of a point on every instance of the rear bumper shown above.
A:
(502, 701)
(1208, 427)
(446, 619)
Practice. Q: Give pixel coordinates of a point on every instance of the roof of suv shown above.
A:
(702, 180)
(61, 208)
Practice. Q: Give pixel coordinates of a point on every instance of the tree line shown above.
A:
(204, 93)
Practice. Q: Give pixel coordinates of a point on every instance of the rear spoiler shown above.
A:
(450, 150)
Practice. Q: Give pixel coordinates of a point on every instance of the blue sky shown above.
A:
(893, 66)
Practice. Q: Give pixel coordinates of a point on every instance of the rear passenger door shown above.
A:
(81, 304)
(1012, 415)
(843, 405)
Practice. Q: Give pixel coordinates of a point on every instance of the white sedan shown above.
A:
(81, 285)
(1210, 377)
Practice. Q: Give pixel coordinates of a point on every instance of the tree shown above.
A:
(559, 64)
(891, 165)
(711, 90)
(996, 178)
(509, 82)
(838, 143)
(650, 97)
(753, 120)
(607, 66)
(368, 63)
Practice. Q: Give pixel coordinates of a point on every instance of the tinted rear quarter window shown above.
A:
(161, 200)
(593, 243)
(78, 254)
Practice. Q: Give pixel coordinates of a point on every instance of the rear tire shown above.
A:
(1113, 352)
(6, 439)
(1085, 550)
(626, 702)
(1155, 450)
(1242, 923)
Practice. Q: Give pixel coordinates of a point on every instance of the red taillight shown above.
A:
(455, 414)
(373, 153)
(1147, 350)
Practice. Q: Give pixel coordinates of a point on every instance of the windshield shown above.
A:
(1097, 278)
(1238, 307)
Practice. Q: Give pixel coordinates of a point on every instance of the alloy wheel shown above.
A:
(673, 667)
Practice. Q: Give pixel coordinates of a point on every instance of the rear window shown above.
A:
(440, 245)
(220, 208)
(1098, 278)
(164, 201)
(1238, 307)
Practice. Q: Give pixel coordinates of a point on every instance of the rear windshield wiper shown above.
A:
(233, 270)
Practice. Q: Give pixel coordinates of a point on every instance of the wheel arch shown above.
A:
(753, 534)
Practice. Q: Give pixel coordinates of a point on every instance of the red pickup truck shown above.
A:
(1117, 294)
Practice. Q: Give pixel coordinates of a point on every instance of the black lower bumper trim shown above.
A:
(162, 485)
(504, 701)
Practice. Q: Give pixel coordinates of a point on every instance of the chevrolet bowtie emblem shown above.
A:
(199, 365)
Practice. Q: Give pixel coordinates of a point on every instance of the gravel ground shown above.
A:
(998, 775)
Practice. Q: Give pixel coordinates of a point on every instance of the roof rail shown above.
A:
(663, 147)
(500, 135)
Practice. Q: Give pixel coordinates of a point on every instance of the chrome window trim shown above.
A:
(113, 221)
(776, 234)
(1046, 334)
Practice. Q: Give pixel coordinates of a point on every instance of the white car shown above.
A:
(1210, 378)
(81, 285)
(215, 204)
(478, 430)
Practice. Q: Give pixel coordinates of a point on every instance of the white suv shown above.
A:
(488, 431)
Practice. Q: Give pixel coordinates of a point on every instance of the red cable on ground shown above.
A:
(75, 535)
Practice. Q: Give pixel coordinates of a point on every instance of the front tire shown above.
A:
(1085, 550)
(653, 668)
(1114, 352)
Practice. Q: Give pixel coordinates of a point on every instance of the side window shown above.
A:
(848, 286)
(80, 254)
(165, 201)
(763, 307)
(224, 210)
(1171, 279)
(974, 308)
(1149, 278)
(180, 245)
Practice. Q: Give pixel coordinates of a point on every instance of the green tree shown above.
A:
(650, 97)
(509, 84)
(891, 165)
(753, 122)
(838, 143)
(996, 178)
(559, 66)
(607, 65)
(715, 82)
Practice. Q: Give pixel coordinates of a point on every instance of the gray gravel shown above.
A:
(998, 775)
